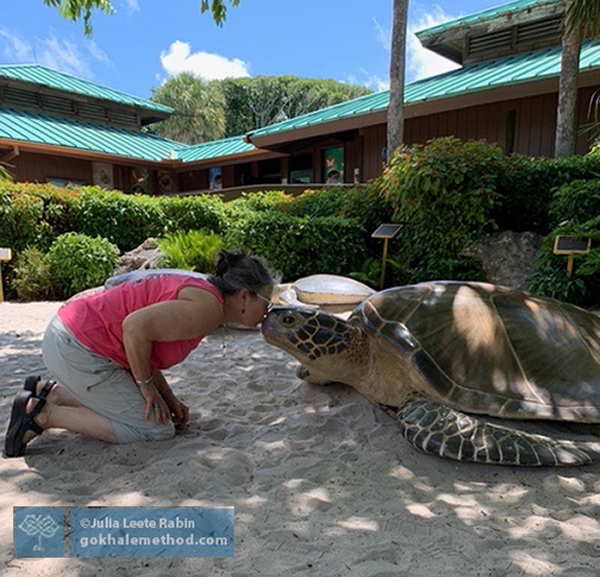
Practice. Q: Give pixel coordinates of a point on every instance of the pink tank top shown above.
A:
(96, 320)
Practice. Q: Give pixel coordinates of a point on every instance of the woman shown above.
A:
(106, 351)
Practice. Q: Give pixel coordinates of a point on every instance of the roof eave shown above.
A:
(25, 146)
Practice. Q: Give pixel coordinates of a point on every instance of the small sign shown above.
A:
(5, 254)
(572, 245)
(388, 230)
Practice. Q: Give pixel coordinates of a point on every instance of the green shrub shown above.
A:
(126, 221)
(193, 213)
(264, 201)
(78, 262)
(445, 192)
(20, 215)
(578, 201)
(365, 203)
(33, 276)
(191, 250)
(526, 186)
(551, 279)
(300, 246)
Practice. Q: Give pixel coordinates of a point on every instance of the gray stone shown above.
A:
(507, 258)
(145, 256)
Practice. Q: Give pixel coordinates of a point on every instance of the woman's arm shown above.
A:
(180, 413)
(166, 321)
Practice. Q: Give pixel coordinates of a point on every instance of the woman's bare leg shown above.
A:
(59, 396)
(78, 419)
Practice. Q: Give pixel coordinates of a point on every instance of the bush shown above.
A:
(20, 215)
(445, 192)
(192, 250)
(365, 203)
(193, 213)
(301, 246)
(33, 276)
(526, 186)
(126, 221)
(551, 279)
(78, 262)
(578, 201)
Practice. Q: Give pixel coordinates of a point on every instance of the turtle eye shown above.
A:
(288, 320)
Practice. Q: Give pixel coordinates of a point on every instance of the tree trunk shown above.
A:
(395, 118)
(566, 120)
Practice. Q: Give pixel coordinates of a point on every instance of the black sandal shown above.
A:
(31, 385)
(20, 423)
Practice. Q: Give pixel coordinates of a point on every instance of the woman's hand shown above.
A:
(179, 413)
(154, 404)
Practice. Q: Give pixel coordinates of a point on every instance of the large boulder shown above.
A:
(507, 258)
(147, 255)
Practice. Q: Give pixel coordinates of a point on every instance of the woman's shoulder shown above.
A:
(200, 290)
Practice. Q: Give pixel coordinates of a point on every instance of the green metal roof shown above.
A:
(88, 136)
(43, 76)
(489, 14)
(214, 149)
(506, 71)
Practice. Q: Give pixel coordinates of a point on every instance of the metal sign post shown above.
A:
(570, 245)
(386, 232)
(5, 256)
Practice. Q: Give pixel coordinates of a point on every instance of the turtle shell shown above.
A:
(492, 350)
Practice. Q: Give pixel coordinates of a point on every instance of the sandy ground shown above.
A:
(321, 481)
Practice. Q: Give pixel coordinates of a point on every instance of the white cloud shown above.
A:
(179, 58)
(384, 35)
(423, 63)
(63, 55)
(15, 48)
(97, 53)
(60, 54)
(132, 6)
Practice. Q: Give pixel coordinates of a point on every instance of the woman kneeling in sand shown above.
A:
(107, 349)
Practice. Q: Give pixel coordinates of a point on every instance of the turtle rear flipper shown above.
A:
(448, 433)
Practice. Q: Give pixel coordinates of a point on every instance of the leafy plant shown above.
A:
(445, 191)
(191, 250)
(551, 279)
(78, 262)
(33, 276)
(299, 246)
(577, 201)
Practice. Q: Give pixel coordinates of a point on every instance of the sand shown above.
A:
(321, 480)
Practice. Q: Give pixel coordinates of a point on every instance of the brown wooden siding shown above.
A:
(535, 125)
(33, 167)
(374, 141)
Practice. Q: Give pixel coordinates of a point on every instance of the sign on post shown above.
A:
(5, 256)
(386, 232)
(570, 245)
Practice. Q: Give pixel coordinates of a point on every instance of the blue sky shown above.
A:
(147, 41)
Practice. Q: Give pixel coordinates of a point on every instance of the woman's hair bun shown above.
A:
(226, 260)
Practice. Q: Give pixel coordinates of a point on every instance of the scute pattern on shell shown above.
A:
(487, 349)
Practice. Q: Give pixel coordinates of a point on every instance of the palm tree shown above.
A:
(199, 109)
(582, 19)
(76, 10)
(395, 118)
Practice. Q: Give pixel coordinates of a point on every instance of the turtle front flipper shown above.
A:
(448, 433)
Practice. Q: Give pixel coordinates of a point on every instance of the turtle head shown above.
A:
(329, 348)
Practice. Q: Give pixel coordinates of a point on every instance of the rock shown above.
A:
(145, 256)
(507, 258)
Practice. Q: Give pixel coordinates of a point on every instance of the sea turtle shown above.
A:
(445, 356)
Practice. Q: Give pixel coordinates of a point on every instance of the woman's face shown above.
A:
(258, 306)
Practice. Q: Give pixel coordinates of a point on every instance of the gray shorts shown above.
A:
(101, 385)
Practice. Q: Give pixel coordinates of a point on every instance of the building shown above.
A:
(61, 129)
